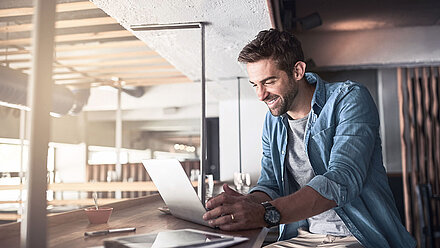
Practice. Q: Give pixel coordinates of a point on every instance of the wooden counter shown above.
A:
(67, 229)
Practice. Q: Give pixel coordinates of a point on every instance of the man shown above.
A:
(322, 178)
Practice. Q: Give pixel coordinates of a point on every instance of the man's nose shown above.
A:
(261, 93)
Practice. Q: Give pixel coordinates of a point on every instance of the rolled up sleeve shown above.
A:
(267, 181)
(355, 134)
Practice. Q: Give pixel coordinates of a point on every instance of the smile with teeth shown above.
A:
(272, 101)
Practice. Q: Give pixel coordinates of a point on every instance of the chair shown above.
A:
(429, 232)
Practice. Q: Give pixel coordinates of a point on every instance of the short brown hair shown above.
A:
(283, 47)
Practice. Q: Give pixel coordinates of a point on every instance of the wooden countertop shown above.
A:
(67, 229)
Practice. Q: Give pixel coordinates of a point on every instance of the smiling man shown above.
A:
(322, 178)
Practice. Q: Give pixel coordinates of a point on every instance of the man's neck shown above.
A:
(302, 105)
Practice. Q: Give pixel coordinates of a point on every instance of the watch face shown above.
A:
(272, 216)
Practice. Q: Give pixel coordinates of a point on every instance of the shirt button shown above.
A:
(283, 152)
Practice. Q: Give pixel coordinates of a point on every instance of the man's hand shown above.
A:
(233, 211)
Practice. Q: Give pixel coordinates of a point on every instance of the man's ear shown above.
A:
(299, 70)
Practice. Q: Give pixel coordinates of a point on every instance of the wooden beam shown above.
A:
(93, 46)
(141, 82)
(9, 202)
(105, 45)
(111, 69)
(72, 37)
(152, 61)
(154, 81)
(14, 217)
(97, 56)
(14, 52)
(62, 24)
(62, 7)
(87, 46)
(113, 55)
(123, 76)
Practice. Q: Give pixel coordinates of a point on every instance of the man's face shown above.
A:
(273, 86)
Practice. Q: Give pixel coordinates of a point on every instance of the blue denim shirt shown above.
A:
(343, 145)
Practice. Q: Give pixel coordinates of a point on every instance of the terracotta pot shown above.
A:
(98, 216)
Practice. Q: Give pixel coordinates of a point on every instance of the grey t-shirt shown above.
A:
(300, 168)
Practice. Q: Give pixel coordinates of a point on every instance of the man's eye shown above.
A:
(254, 85)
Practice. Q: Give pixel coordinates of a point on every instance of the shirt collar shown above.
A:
(318, 100)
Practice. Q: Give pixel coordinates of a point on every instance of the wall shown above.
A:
(65, 129)
(70, 162)
(390, 125)
(252, 117)
(373, 48)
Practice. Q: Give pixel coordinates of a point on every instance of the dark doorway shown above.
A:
(213, 150)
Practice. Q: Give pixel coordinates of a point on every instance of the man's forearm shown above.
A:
(303, 204)
(258, 197)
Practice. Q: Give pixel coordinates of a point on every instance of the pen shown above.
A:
(105, 232)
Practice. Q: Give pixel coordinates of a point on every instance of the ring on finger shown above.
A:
(232, 217)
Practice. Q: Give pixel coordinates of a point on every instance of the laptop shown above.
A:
(176, 189)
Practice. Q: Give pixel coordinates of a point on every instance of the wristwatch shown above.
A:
(272, 216)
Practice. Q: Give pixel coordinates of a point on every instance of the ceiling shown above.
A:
(346, 15)
(92, 49)
(231, 24)
(96, 47)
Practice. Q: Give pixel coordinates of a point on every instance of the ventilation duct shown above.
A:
(81, 99)
(13, 90)
(134, 91)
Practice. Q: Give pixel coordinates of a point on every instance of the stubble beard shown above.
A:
(286, 100)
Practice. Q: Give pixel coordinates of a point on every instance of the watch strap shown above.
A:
(268, 207)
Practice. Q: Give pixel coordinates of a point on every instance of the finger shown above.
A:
(219, 200)
(221, 221)
(230, 191)
(214, 202)
(216, 212)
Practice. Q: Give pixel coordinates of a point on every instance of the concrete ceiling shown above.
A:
(231, 24)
